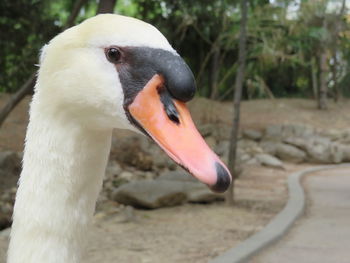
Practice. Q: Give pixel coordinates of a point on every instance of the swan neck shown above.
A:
(63, 168)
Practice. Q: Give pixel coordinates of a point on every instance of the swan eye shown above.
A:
(113, 55)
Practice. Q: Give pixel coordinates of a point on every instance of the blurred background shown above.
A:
(286, 60)
(285, 41)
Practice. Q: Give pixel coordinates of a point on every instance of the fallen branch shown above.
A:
(17, 97)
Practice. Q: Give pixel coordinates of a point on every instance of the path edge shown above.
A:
(279, 225)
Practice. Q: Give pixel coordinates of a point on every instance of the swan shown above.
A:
(108, 72)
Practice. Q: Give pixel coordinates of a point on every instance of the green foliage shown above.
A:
(24, 27)
(205, 32)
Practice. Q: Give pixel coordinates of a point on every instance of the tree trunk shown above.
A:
(314, 78)
(322, 98)
(17, 97)
(214, 73)
(237, 100)
(73, 15)
(106, 6)
(336, 90)
(337, 29)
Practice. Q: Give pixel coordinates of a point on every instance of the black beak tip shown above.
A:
(223, 179)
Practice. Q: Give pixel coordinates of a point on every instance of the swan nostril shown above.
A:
(173, 118)
(169, 105)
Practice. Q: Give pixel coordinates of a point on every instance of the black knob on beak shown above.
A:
(179, 78)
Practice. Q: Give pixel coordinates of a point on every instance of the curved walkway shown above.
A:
(322, 235)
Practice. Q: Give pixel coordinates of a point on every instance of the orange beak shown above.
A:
(179, 139)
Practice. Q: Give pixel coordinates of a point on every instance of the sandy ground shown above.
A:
(189, 233)
(194, 233)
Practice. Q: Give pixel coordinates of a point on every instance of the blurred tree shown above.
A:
(286, 40)
(237, 100)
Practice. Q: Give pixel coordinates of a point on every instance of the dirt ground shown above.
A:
(188, 233)
(195, 233)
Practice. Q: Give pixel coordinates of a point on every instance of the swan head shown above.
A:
(113, 71)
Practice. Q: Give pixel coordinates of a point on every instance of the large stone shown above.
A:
(133, 151)
(169, 189)
(222, 132)
(113, 169)
(269, 146)
(346, 136)
(196, 191)
(273, 132)
(299, 142)
(222, 148)
(201, 194)
(211, 142)
(346, 153)
(319, 153)
(319, 150)
(151, 194)
(206, 129)
(336, 152)
(252, 134)
(247, 144)
(290, 153)
(296, 130)
(269, 160)
(176, 176)
(333, 135)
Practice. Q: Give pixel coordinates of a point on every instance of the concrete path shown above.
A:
(323, 233)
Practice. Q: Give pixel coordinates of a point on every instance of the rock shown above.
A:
(269, 146)
(113, 169)
(151, 194)
(333, 135)
(302, 143)
(252, 134)
(176, 176)
(296, 130)
(222, 132)
(127, 176)
(201, 194)
(273, 132)
(169, 189)
(321, 140)
(133, 151)
(336, 153)
(206, 129)
(211, 142)
(245, 144)
(244, 157)
(319, 153)
(319, 150)
(346, 136)
(196, 191)
(290, 153)
(252, 161)
(222, 148)
(160, 160)
(346, 153)
(269, 160)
